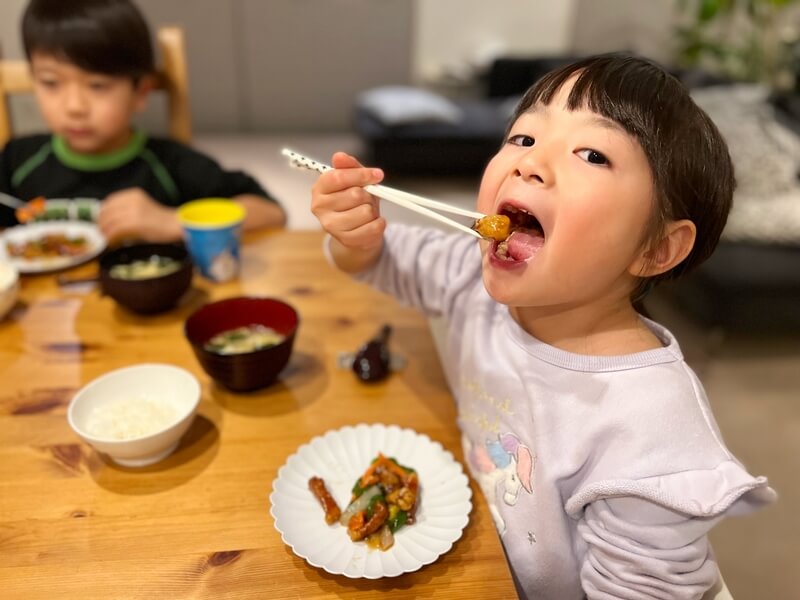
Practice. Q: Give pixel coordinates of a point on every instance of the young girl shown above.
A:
(590, 436)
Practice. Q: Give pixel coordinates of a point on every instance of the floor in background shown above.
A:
(753, 382)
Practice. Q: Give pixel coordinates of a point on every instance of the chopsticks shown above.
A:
(418, 204)
(10, 201)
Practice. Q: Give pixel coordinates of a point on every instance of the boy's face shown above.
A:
(91, 111)
(589, 186)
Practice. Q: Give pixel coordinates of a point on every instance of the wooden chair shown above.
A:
(171, 78)
(719, 591)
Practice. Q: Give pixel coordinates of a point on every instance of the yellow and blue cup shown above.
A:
(212, 230)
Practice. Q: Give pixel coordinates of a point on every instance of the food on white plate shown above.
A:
(384, 500)
(332, 511)
(50, 245)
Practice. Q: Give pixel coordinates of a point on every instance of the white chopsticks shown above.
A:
(418, 204)
(10, 201)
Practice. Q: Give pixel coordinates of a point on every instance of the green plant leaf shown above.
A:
(707, 10)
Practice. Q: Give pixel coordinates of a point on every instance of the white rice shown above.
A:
(129, 418)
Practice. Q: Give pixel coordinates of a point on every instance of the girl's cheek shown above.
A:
(489, 187)
(485, 202)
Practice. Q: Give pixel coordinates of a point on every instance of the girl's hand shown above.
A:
(133, 213)
(347, 212)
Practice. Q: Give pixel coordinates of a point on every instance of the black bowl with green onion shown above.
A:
(146, 278)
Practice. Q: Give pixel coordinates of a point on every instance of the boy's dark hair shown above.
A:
(692, 171)
(100, 36)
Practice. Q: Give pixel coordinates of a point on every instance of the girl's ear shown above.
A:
(671, 249)
(144, 86)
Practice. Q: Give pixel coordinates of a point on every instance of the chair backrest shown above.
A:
(718, 592)
(171, 77)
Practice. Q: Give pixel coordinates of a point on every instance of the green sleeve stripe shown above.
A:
(21, 172)
(161, 173)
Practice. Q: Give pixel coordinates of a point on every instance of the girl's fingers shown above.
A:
(343, 207)
(347, 173)
(358, 206)
(364, 236)
(345, 221)
(342, 160)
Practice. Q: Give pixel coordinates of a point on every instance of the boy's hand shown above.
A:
(133, 213)
(347, 212)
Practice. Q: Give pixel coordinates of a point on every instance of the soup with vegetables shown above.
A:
(155, 266)
(244, 339)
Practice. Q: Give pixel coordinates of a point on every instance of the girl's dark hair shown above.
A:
(100, 36)
(692, 171)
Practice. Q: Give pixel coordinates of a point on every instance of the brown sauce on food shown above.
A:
(493, 227)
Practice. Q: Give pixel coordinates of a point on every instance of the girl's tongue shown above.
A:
(521, 245)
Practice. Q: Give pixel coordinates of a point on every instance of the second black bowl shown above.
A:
(152, 294)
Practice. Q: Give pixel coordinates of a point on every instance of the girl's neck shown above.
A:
(589, 330)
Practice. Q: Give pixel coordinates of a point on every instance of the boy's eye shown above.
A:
(99, 85)
(593, 157)
(48, 83)
(521, 140)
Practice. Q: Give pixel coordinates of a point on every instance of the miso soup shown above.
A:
(155, 266)
(244, 339)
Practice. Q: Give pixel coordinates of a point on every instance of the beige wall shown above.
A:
(297, 65)
(459, 37)
(642, 26)
(274, 65)
(302, 62)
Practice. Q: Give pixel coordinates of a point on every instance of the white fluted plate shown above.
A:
(340, 457)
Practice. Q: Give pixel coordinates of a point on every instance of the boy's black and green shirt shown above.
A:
(170, 172)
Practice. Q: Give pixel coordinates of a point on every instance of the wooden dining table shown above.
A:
(73, 524)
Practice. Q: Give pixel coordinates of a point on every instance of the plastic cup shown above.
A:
(212, 230)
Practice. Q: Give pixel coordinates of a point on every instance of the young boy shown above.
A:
(92, 66)
(590, 436)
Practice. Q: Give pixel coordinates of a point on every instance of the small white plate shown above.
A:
(340, 457)
(96, 243)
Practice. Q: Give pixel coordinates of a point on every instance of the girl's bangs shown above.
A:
(630, 93)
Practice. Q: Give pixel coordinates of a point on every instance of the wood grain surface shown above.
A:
(197, 525)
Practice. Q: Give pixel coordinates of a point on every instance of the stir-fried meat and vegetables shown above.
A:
(51, 245)
(332, 512)
(384, 499)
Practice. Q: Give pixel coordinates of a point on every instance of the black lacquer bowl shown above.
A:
(153, 294)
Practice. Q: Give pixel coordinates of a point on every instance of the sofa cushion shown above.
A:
(436, 148)
(404, 105)
(766, 158)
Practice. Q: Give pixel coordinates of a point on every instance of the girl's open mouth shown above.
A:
(525, 240)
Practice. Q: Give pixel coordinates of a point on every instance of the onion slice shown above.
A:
(386, 539)
(359, 504)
